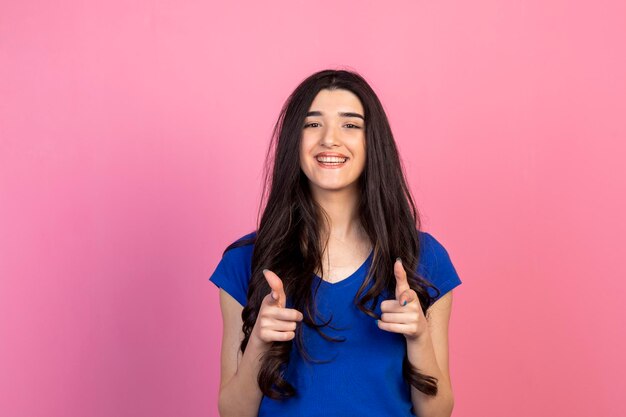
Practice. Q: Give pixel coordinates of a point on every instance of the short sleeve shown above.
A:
(232, 273)
(439, 268)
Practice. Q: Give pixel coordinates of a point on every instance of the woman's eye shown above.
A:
(348, 124)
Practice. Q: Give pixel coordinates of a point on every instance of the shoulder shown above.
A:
(233, 272)
(431, 249)
(435, 264)
(239, 252)
(241, 246)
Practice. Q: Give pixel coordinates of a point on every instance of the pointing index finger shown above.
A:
(276, 285)
(402, 284)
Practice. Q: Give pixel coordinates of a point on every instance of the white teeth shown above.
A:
(331, 159)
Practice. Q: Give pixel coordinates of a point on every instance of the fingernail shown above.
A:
(404, 303)
(398, 259)
(377, 322)
(265, 270)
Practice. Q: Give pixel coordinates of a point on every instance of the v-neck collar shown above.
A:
(347, 280)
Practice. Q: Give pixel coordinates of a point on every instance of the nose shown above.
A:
(329, 138)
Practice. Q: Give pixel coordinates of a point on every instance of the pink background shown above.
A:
(132, 136)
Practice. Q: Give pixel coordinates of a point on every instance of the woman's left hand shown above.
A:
(404, 314)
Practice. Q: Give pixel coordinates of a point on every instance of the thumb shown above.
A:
(277, 295)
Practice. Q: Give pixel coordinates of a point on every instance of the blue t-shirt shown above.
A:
(361, 376)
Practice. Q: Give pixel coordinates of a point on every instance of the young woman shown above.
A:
(338, 304)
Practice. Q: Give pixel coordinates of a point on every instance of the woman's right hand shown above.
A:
(275, 323)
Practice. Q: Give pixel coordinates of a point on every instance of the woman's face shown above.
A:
(332, 150)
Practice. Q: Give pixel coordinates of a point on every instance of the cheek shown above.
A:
(303, 153)
(306, 145)
(362, 159)
(359, 151)
(305, 162)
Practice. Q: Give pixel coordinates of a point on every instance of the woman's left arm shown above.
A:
(426, 341)
(429, 354)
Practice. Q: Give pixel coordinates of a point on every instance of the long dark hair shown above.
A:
(288, 237)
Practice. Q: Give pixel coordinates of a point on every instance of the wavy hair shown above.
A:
(288, 237)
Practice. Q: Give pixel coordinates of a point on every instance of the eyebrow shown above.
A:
(342, 114)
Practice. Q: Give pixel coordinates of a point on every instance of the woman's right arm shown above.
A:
(238, 373)
(240, 395)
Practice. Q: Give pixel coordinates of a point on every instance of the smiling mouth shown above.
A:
(331, 161)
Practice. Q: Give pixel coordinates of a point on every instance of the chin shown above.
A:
(333, 187)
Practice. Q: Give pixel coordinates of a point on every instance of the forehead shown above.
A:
(332, 101)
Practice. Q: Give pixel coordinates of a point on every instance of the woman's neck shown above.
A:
(342, 210)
